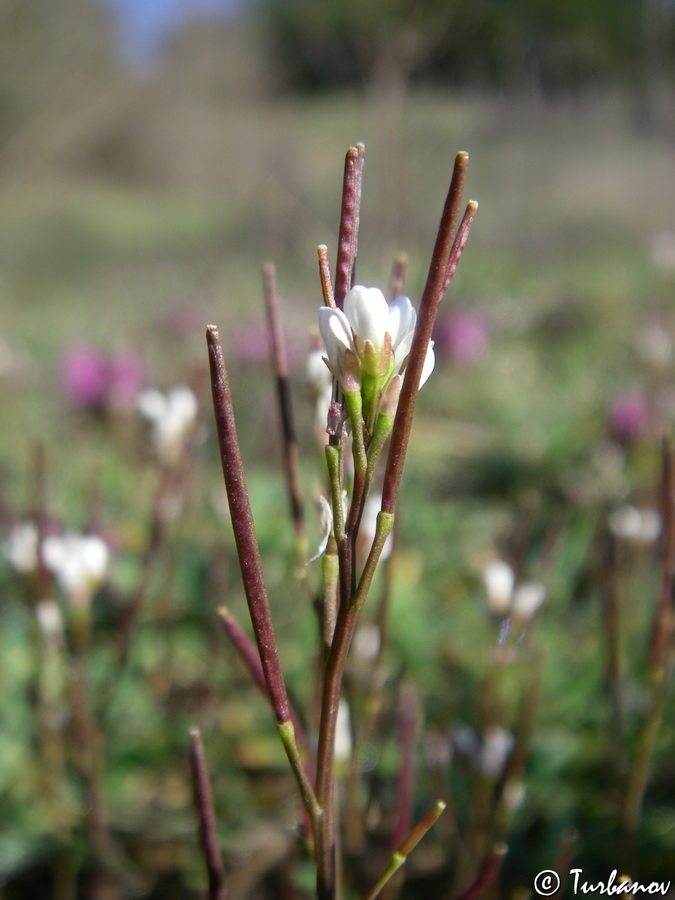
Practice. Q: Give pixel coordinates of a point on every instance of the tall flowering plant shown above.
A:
(379, 353)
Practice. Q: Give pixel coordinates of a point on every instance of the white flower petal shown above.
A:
(368, 314)
(336, 333)
(182, 403)
(21, 547)
(498, 579)
(527, 598)
(317, 373)
(343, 733)
(429, 363)
(151, 404)
(402, 350)
(77, 561)
(401, 324)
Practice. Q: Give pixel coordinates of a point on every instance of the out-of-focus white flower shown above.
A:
(21, 547)
(655, 345)
(505, 599)
(343, 733)
(641, 526)
(496, 746)
(50, 620)
(79, 562)
(320, 383)
(498, 580)
(317, 373)
(366, 642)
(513, 794)
(170, 416)
(526, 601)
(369, 342)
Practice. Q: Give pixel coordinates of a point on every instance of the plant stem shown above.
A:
(487, 874)
(401, 855)
(251, 659)
(251, 565)
(444, 259)
(325, 787)
(244, 529)
(207, 819)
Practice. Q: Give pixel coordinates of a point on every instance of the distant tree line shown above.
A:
(553, 44)
(68, 100)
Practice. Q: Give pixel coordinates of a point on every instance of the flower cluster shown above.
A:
(78, 562)
(367, 348)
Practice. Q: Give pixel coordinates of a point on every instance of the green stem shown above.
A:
(333, 461)
(287, 735)
(400, 856)
(325, 788)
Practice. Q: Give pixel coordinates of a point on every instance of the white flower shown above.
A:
(505, 599)
(21, 547)
(79, 562)
(320, 383)
(367, 641)
(343, 733)
(170, 417)
(498, 580)
(369, 342)
(50, 620)
(642, 526)
(496, 746)
(340, 351)
(527, 599)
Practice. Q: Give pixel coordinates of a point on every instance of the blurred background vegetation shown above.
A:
(142, 185)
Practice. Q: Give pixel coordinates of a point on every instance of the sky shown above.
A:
(145, 24)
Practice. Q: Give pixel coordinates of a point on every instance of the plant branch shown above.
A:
(400, 856)
(444, 259)
(487, 874)
(207, 819)
(251, 565)
(344, 631)
(251, 659)
(244, 529)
